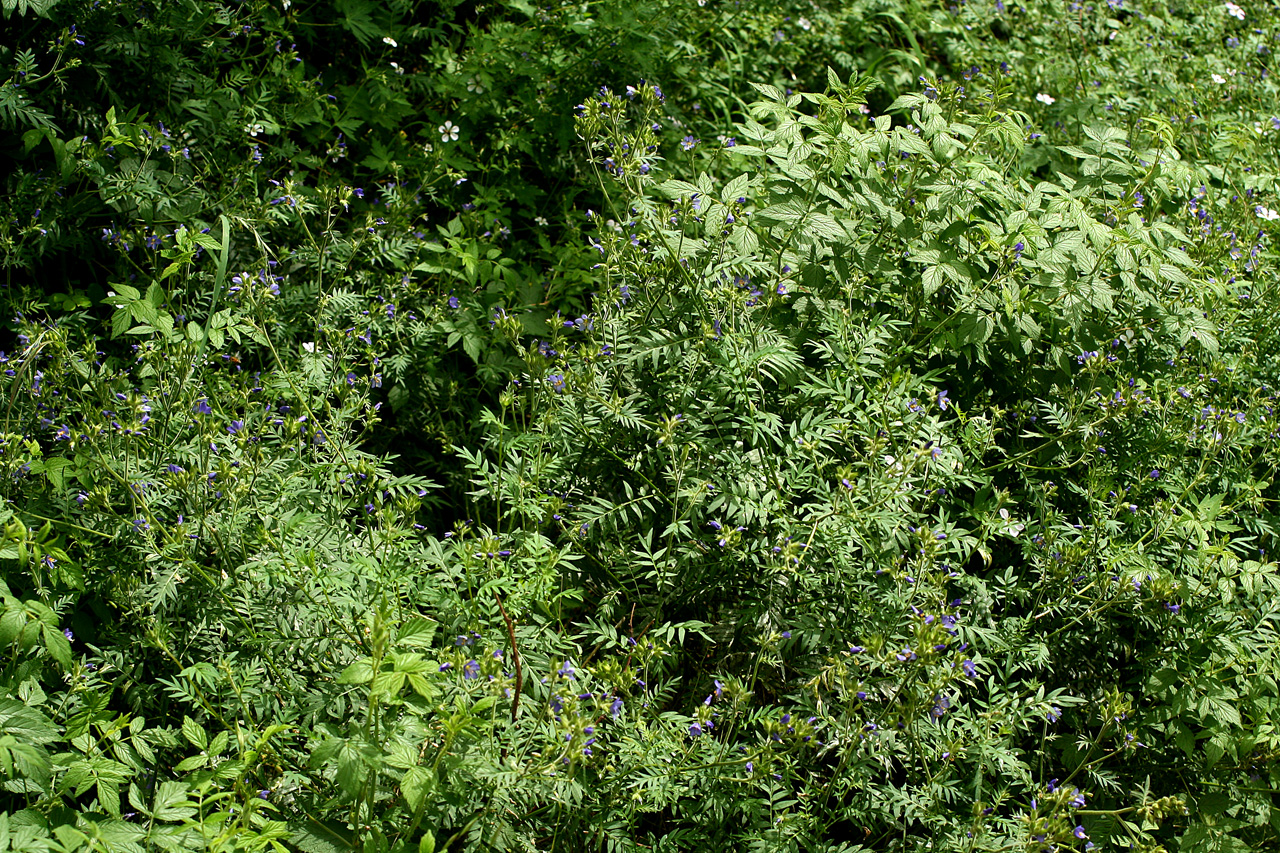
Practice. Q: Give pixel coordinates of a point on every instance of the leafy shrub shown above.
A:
(878, 469)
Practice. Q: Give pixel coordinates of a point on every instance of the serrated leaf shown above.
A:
(194, 734)
(415, 785)
(388, 682)
(421, 685)
(57, 645)
(358, 672)
(932, 279)
(416, 633)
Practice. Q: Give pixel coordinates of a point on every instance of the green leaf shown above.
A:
(932, 280)
(358, 672)
(57, 645)
(416, 633)
(421, 685)
(219, 743)
(194, 734)
(417, 783)
(25, 723)
(171, 802)
(314, 836)
(389, 683)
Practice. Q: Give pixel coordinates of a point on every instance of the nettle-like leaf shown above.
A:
(22, 7)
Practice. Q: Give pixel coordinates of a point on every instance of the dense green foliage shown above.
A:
(667, 425)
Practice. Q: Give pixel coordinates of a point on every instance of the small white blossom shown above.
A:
(448, 132)
(389, 40)
(253, 129)
(1266, 213)
(804, 24)
(1234, 10)
(309, 346)
(1045, 99)
(397, 68)
(540, 221)
(474, 86)
(1218, 78)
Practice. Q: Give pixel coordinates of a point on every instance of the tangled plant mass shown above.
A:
(851, 429)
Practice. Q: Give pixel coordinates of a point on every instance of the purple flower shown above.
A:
(695, 730)
(235, 426)
(942, 400)
(616, 708)
(202, 407)
(566, 669)
(969, 669)
(470, 669)
(688, 143)
(1079, 833)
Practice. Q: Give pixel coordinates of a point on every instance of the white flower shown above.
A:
(397, 68)
(473, 85)
(448, 132)
(287, 4)
(389, 40)
(253, 129)
(1266, 213)
(541, 221)
(1218, 78)
(1234, 10)
(804, 24)
(1045, 99)
(309, 346)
